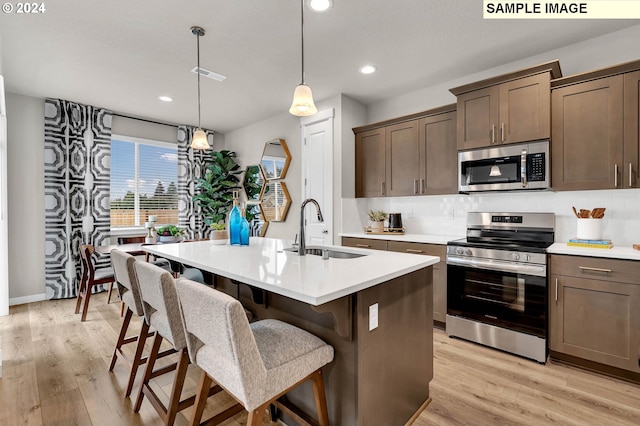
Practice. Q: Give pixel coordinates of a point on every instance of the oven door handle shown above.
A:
(496, 265)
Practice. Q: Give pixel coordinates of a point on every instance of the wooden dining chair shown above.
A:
(91, 277)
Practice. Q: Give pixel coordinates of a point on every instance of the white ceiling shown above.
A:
(123, 54)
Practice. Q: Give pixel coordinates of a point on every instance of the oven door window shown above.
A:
(496, 170)
(514, 301)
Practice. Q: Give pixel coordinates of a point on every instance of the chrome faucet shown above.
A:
(301, 246)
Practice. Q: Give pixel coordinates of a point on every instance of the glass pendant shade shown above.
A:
(199, 140)
(302, 105)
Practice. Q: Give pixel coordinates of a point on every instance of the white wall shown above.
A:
(25, 125)
(446, 215)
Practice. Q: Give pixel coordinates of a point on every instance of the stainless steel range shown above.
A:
(497, 282)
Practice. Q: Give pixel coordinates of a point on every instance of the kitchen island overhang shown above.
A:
(380, 375)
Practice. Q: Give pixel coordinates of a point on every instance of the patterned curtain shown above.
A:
(191, 166)
(77, 157)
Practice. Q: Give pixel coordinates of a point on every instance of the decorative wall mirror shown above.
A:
(252, 182)
(257, 224)
(275, 201)
(275, 159)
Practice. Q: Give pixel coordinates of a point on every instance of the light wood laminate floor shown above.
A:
(54, 372)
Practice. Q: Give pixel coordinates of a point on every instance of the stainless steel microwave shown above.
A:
(505, 168)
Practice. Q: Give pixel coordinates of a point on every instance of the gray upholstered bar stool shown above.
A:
(256, 363)
(122, 264)
(162, 313)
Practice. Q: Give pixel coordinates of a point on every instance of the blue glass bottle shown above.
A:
(244, 229)
(235, 222)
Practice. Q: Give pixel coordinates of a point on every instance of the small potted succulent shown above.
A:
(219, 235)
(170, 234)
(377, 219)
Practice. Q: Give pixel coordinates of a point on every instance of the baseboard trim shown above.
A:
(27, 299)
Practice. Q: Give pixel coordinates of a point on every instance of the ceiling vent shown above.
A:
(209, 74)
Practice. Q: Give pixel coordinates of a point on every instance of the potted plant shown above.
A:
(170, 234)
(219, 234)
(215, 189)
(377, 219)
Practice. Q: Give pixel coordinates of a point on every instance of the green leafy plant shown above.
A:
(170, 231)
(252, 182)
(215, 189)
(377, 216)
(218, 226)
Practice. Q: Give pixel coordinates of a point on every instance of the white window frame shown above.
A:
(121, 230)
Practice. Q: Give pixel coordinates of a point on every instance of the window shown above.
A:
(144, 181)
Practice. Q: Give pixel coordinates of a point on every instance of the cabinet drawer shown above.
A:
(420, 248)
(364, 243)
(623, 271)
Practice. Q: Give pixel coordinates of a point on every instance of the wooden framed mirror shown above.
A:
(252, 182)
(274, 201)
(275, 159)
(257, 224)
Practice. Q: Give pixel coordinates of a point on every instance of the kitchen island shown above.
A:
(383, 360)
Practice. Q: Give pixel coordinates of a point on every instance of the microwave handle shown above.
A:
(523, 167)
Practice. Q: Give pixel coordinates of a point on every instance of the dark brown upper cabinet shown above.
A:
(595, 129)
(510, 108)
(410, 155)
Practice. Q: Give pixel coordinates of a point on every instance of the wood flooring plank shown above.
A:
(54, 372)
(17, 347)
(65, 409)
(19, 398)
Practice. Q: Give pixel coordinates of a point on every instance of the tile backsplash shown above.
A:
(447, 214)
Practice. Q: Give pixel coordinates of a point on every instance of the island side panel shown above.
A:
(339, 376)
(395, 360)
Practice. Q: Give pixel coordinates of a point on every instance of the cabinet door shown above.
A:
(370, 163)
(631, 130)
(525, 109)
(403, 161)
(595, 320)
(438, 155)
(477, 117)
(439, 272)
(587, 135)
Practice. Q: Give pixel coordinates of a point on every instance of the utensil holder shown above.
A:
(589, 229)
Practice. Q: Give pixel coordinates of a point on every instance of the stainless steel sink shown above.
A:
(336, 254)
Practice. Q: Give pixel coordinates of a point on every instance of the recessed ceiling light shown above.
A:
(368, 69)
(319, 5)
(165, 98)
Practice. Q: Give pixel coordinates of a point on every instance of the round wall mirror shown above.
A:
(275, 159)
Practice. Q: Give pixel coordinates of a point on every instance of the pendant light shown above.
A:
(302, 105)
(199, 140)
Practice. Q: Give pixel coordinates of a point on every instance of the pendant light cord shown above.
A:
(198, 71)
(302, 35)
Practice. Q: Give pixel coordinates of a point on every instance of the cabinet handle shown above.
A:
(422, 186)
(493, 134)
(556, 291)
(382, 188)
(615, 175)
(363, 245)
(588, 268)
(415, 186)
(413, 251)
(630, 173)
(502, 132)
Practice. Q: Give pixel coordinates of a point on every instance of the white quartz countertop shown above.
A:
(612, 253)
(311, 279)
(409, 238)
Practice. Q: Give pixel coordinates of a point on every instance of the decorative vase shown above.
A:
(377, 226)
(219, 237)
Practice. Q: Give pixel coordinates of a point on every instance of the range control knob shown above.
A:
(527, 257)
(468, 252)
(515, 256)
(459, 250)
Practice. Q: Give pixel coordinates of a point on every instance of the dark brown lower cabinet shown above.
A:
(594, 310)
(439, 269)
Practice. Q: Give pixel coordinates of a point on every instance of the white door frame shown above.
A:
(4, 229)
(327, 208)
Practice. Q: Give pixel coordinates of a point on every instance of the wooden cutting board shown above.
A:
(636, 246)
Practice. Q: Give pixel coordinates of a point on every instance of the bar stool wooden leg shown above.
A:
(178, 383)
(320, 397)
(121, 337)
(109, 292)
(149, 370)
(256, 416)
(137, 358)
(201, 398)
